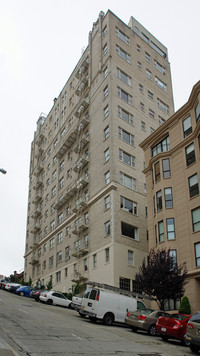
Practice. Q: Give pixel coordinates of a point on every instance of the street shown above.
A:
(36, 329)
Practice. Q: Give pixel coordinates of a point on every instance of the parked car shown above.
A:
(173, 326)
(35, 294)
(107, 305)
(24, 291)
(76, 303)
(144, 319)
(193, 332)
(55, 298)
(3, 284)
(12, 287)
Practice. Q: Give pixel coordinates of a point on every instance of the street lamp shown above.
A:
(3, 171)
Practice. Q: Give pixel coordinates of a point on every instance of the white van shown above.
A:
(108, 306)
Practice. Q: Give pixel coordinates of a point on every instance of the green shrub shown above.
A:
(185, 306)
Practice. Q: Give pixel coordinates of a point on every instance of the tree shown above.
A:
(160, 278)
(185, 306)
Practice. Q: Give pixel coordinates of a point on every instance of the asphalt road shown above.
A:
(35, 329)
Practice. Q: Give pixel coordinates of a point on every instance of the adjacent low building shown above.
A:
(172, 159)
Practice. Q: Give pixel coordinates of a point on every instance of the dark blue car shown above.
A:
(24, 290)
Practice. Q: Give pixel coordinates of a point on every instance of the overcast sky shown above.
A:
(40, 44)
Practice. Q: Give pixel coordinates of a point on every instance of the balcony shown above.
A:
(70, 139)
(67, 194)
(80, 164)
(39, 153)
(79, 205)
(82, 106)
(82, 182)
(36, 228)
(79, 228)
(38, 170)
(82, 67)
(34, 260)
(79, 252)
(37, 198)
(39, 138)
(38, 184)
(36, 213)
(82, 86)
(82, 143)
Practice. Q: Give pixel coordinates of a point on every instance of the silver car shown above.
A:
(144, 319)
(55, 298)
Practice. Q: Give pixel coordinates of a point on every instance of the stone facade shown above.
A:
(87, 217)
(172, 177)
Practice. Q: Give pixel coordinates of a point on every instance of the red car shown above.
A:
(173, 327)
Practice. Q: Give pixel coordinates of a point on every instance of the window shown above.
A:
(193, 185)
(51, 261)
(124, 283)
(107, 255)
(105, 72)
(190, 154)
(124, 96)
(106, 111)
(107, 202)
(163, 106)
(107, 228)
(150, 95)
(159, 200)
(85, 264)
(59, 237)
(125, 115)
(157, 171)
(105, 49)
(144, 37)
(141, 88)
(66, 272)
(105, 91)
(138, 48)
(187, 126)
(107, 177)
(61, 183)
(86, 218)
(151, 114)
(67, 230)
(141, 106)
(128, 205)
(129, 230)
(197, 253)
(147, 57)
(95, 260)
(53, 192)
(197, 112)
(52, 243)
(107, 155)
(143, 126)
(127, 181)
(196, 219)
(168, 198)
(60, 218)
(106, 132)
(105, 31)
(160, 83)
(166, 168)
(160, 120)
(130, 257)
(126, 158)
(122, 35)
(67, 253)
(159, 67)
(139, 65)
(148, 74)
(162, 146)
(161, 231)
(58, 276)
(125, 136)
(123, 54)
(136, 288)
(124, 77)
(170, 229)
(173, 255)
(39, 252)
(86, 241)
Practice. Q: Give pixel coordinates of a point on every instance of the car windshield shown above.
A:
(179, 316)
(87, 292)
(146, 311)
(196, 318)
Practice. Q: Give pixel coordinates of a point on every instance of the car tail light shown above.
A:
(97, 297)
(141, 317)
(178, 323)
(190, 326)
(45, 295)
(127, 314)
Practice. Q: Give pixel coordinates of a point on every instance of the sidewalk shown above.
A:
(6, 350)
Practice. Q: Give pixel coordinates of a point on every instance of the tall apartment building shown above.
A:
(172, 156)
(87, 216)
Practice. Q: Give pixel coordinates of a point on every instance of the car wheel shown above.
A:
(50, 301)
(108, 319)
(21, 293)
(194, 348)
(70, 306)
(152, 330)
(134, 328)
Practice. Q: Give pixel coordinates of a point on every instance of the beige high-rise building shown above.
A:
(172, 156)
(87, 216)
